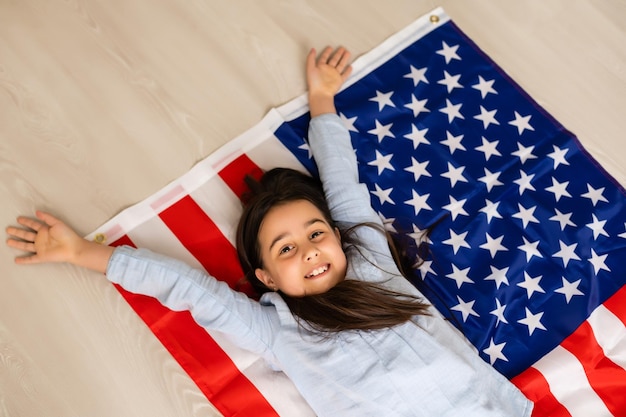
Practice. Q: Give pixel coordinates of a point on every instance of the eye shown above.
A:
(316, 234)
(285, 249)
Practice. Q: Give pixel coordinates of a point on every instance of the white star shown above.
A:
(531, 284)
(456, 207)
(563, 219)
(598, 227)
(348, 122)
(524, 182)
(382, 162)
(526, 215)
(417, 75)
(485, 87)
(419, 235)
(594, 195)
(569, 289)
(453, 142)
(499, 276)
(495, 352)
(418, 202)
(524, 153)
(450, 81)
(457, 241)
(418, 169)
(559, 156)
(522, 123)
(559, 189)
(532, 321)
(598, 262)
(418, 106)
(466, 309)
(425, 269)
(417, 136)
(623, 234)
(530, 248)
(460, 276)
(487, 117)
(493, 245)
(383, 99)
(567, 253)
(491, 210)
(454, 174)
(381, 131)
(452, 110)
(305, 147)
(499, 313)
(489, 148)
(449, 52)
(387, 223)
(490, 179)
(383, 195)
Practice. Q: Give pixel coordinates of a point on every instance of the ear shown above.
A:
(265, 278)
(338, 234)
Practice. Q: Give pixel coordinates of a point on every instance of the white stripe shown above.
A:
(273, 153)
(222, 206)
(610, 334)
(569, 385)
(153, 234)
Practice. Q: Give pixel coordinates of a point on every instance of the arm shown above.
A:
(176, 285)
(348, 200)
(48, 239)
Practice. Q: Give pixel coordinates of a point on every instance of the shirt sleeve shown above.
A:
(348, 199)
(212, 303)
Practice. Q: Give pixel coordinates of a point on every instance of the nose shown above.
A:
(311, 253)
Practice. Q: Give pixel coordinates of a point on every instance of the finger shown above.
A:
(346, 73)
(325, 55)
(28, 259)
(344, 62)
(336, 56)
(21, 245)
(310, 59)
(21, 234)
(30, 223)
(47, 218)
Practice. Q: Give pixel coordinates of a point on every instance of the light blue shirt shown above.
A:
(420, 368)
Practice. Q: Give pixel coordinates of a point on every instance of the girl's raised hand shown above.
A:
(325, 75)
(47, 239)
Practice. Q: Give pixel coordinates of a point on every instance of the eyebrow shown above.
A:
(283, 235)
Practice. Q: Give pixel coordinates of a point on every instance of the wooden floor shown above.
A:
(102, 103)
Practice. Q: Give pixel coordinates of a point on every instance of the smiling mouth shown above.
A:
(318, 271)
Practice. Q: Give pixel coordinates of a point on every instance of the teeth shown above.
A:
(318, 271)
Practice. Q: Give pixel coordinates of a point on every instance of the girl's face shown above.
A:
(301, 253)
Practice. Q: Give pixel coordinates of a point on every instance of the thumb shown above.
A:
(310, 59)
(47, 218)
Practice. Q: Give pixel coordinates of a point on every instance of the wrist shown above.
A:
(321, 102)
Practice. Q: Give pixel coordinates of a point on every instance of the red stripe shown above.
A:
(199, 355)
(533, 384)
(203, 239)
(234, 173)
(617, 304)
(606, 378)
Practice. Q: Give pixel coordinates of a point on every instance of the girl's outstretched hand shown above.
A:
(48, 239)
(325, 75)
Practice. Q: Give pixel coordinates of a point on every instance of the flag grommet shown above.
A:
(434, 18)
(100, 238)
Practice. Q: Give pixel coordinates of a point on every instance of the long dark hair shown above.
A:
(349, 305)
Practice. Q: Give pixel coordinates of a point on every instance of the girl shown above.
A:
(335, 315)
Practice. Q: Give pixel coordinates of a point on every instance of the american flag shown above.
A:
(527, 231)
